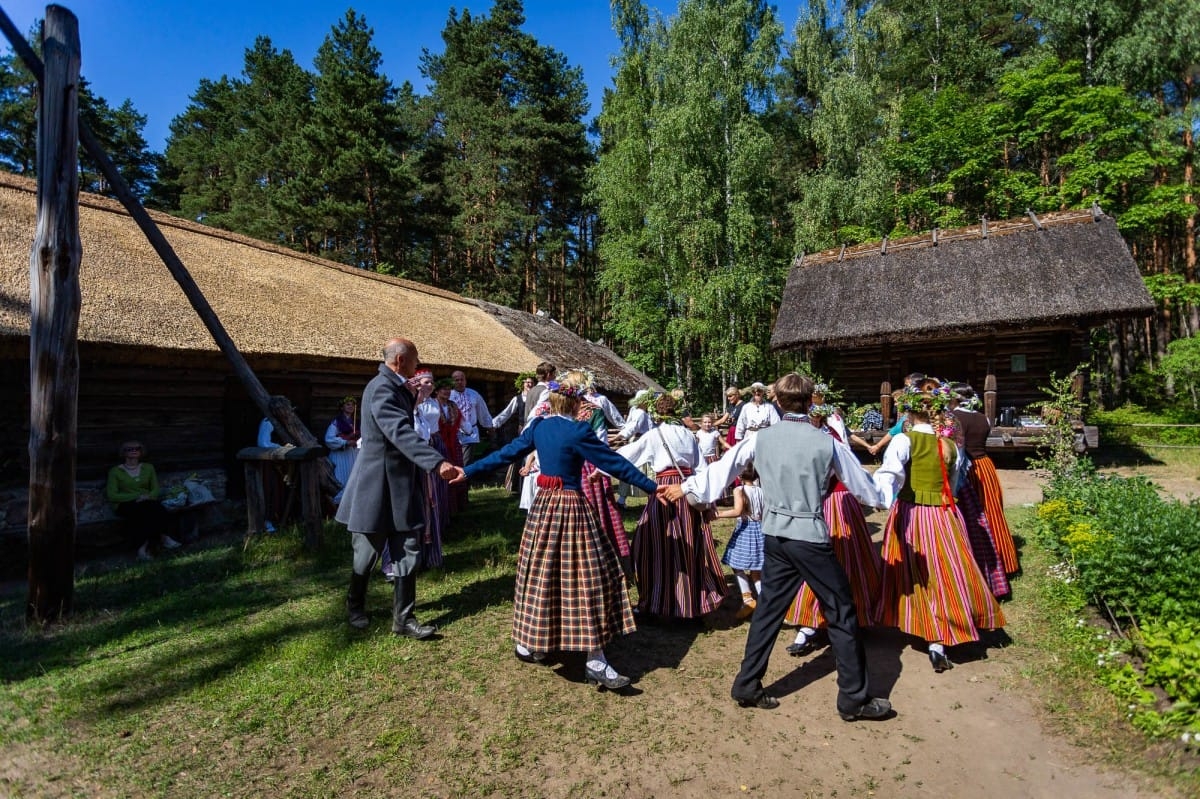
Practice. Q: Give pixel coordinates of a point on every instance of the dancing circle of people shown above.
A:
(800, 551)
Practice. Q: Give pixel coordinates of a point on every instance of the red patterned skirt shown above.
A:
(931, 586)
(678, 572)
(987, 486)
(853, 548)
(979, 536)
(570, 591)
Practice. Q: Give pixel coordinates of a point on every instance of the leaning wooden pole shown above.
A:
(54, 328)
(278, 409)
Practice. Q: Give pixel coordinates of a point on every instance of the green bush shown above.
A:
(1133, 550)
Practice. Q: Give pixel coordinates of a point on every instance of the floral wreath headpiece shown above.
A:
(444, 382)
(824, 409)
(348, 400)
(564, 390)
(935, 399)
(589, 378)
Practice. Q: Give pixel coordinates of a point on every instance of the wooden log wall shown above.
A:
(858, 373)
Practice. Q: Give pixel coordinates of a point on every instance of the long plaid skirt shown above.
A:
(979, 536)
(599, 495)
(678, 572)
(853, 548)
(987, 485)
(570, 592)
(931, 585)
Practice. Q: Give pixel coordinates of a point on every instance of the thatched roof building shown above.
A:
(1014, 300)
(310, 328)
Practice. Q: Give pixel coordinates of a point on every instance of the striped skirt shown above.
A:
(979, 536)
(931, 586)
(853, 548)
(745, 548)
(987, 485)
(678, 572)
(599, 495)
(570, 592)
(436, 491)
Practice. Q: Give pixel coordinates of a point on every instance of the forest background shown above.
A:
(724, 147)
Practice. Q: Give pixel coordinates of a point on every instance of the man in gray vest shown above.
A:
(796, 463)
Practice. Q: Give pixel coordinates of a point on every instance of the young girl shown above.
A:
(708, 437)
(744, 552)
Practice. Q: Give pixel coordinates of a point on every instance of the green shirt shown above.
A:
(124, 488)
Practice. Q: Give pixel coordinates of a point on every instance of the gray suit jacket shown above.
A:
(385, 492)
(795, 463)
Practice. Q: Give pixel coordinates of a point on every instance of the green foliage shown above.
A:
(1122, 426)
(1058, 447)
(1167, 661)
(1182, 367)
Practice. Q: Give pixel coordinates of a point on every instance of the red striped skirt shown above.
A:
(599, 495)
(678, 572)
(987, 485)
(931, 585)
(979, 535)
(853, 548)
(570, 592)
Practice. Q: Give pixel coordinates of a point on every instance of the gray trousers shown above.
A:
(404, 547)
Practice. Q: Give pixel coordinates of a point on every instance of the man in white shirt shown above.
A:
(474, 411)
(545, 372)
(611, 414)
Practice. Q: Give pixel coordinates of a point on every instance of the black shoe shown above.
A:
(600, 679)
(871, 709)
(414, 629)
(800, 650)
(532, 657)
(940, 661)
(762, 700)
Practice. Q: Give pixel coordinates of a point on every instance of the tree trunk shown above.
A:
(54, 328)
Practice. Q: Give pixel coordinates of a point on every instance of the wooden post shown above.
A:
(54, 328)
(885, 403)
(989, 397)
(256, 503)
(309, 462)
(310, 503)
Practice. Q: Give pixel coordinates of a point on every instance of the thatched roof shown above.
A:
(1070, 268)
(270, 299)
(566, 350)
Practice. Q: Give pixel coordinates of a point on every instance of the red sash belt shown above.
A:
(546, 481)
(685, 472)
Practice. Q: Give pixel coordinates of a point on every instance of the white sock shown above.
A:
(597, 662)
(743, 582)
(803, 633)
(758, 588)
(524, 651)
(937, 648)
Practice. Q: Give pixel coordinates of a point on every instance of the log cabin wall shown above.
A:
(858, 373)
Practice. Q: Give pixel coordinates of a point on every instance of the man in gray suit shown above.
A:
(384, 497)
(796, 463)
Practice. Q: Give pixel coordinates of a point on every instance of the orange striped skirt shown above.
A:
(987, 486)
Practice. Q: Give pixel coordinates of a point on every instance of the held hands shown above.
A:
(451, 473)
(669, 493)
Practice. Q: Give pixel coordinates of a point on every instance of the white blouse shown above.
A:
(650, 449)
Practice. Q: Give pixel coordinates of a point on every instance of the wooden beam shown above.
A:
(54, 328)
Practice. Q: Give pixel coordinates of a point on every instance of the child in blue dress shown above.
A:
(744, 552)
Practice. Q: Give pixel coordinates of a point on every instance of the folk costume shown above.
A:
(597, 487)
(852, 546)
(986, 484)
(796, 464)
(678, 572)
(931, 587)
(970, 503)
(341, 439)
(570, 592)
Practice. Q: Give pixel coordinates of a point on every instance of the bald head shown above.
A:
(400, 355)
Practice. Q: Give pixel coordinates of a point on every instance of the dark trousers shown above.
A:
(786, 564)
(404, 547)
(146, 520)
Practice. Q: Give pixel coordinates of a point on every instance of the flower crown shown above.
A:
(823, 409)
(934, 399)
(589, 378)
(564, 390)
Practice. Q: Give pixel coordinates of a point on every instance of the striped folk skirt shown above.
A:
(853, 548)
(931, 586)
(987, 485)
(570, 592)
(979, 536)
(678, 572)
(599, 495)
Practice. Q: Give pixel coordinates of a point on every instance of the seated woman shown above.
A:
(341, 438)
(133, 491)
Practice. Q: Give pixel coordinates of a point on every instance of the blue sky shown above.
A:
(154, 52)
